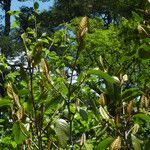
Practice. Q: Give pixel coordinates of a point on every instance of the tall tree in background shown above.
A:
(6, 4)
(109, 10)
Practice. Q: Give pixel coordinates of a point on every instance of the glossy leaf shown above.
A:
(103, 75)
(105, 143)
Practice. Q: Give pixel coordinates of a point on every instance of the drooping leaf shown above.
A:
(62, 131)
(136, 142)
(105, 143)
(19, 131)
(5, 102)
(103, 75)
(141, 117)
(130, 94)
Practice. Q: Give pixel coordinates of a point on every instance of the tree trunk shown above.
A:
(7, 5)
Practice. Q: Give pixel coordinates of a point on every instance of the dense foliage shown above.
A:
(82, 85)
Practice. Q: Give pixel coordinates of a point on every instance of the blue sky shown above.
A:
(43, 5)
(16, 4)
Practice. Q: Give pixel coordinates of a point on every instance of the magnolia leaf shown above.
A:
(2, 120)
(147, 40)
(15, 24)
(5, 102)
(88, 146)
(105, 143)
(62, 131)
(144, 51)
(103, 75)
(83, 114)
(80, 77)
(24, 75)
(147, 144)
(142, 117)
(19, 131)
(136, 142)
(36, 5)
(130, 94)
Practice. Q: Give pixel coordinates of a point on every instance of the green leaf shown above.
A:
(130, 94)
(88, 146)
(62, 131)
(144, 51)
(13, 143)
(45, 41)
(147, 144)
(103, 75)
(80, 77)
(24, 75)
(36, 5)
(83, 114)
(146, 40)
(141, 117)
(2, 120)
(15, 24)
(105, 143)
(19, 131)
(136, 142)
(5, 102)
